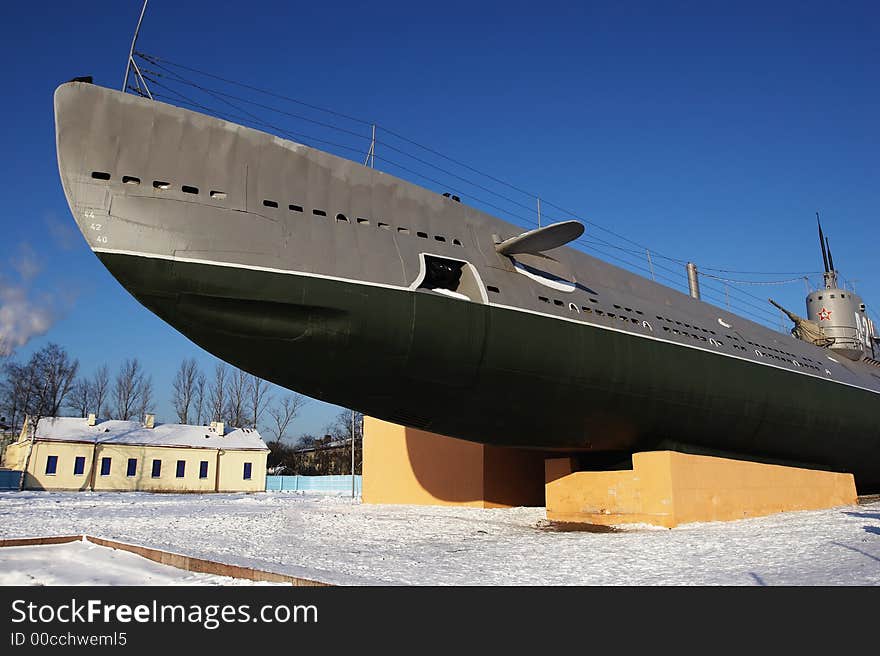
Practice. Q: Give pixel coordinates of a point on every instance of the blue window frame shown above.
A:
(131, 470)
(157, 468)
(247, 471)
(105, 466)
(181, 468)
(51, 464)
(203, 469)
(79, 465)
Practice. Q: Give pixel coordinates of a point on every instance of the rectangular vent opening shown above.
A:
(341, 218)
(363, 221)
(456, 242)
(270, 203)
(100, 175)
(219, 195)
(189, 190)
(403, 231)
(493, 289)
(384, 226)
(319, 212)
(439, 238)
(130, 179)
(159, 184)
(423, 235)
(295, 208)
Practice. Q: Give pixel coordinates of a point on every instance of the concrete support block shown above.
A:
(408, 466)
(667, 488)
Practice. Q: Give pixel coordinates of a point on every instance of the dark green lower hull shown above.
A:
(505, 377)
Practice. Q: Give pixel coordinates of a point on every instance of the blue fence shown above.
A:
(9, 479)
(327, 484)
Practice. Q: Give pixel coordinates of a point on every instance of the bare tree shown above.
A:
(146, 396)
(217, 392)
(184, 389)
(340, 427)
(129, 388)
(100, 389)
(259, 398)
(40, 387)
(284, 412)
(59, 373)
(13, 392)
(82, 396)
(199, 400)
(237, 396)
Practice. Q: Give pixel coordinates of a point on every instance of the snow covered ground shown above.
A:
(83, 563)
(338, 540)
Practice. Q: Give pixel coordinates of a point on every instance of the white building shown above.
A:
(68, 453)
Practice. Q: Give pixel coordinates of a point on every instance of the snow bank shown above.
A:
(82, 563)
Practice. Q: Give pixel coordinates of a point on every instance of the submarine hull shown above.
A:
(401, 356)
(311, 271)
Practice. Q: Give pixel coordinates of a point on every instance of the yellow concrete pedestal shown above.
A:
(408, 466)
(667, 488)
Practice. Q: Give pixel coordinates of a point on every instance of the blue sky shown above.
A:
(705, 130)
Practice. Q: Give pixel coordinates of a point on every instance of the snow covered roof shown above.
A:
(114, 431)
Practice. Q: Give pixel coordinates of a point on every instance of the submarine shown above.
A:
(362, 289)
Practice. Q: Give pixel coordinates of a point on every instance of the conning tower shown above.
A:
(836, 317)
(840, 313)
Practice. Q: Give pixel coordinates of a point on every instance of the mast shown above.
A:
(830, 274)
(822, 244)
(131, 63)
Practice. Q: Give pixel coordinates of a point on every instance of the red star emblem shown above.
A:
(824, 314)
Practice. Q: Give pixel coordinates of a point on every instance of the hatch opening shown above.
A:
(450, 277)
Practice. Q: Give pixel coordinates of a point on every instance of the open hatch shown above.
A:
(450, 277)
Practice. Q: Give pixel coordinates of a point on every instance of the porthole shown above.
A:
(439, 238)
(295, 208)
(403, 231)
(159, 184)
(493, 289)
(194, 190)
(384, 226)
(423, 235)
(363, 221)
(319, 212)
(455, 242)
(130, 179)
(270, 203)
(341, 218)
(100, 175)
(218, 195)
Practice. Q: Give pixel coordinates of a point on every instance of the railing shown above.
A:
(325, 484)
